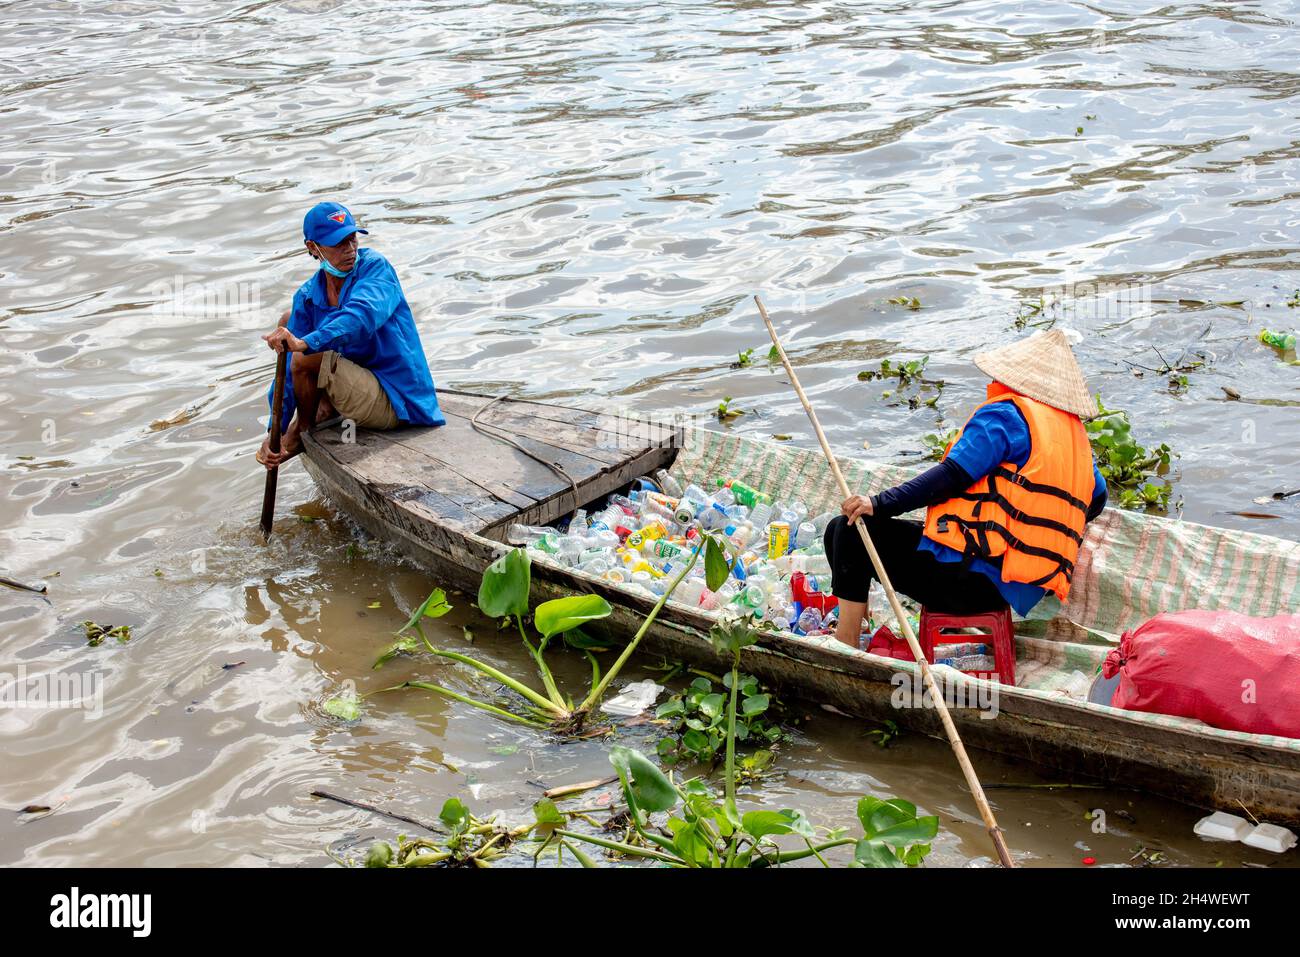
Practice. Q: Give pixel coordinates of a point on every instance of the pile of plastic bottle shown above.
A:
(965, 656)
(642, 540)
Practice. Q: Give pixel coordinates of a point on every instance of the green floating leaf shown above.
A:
(642, 780)
(379, 855)
(96, 633)
(547, 813)
(759, 824)
(894, 822)
(671, 708)
(712, 705)
(505, 586)
(872, 854)
(755, 704)
(579, 640)
(435, 606)
(454, 814)
(561, 614)
(346, 707)
(402, 646)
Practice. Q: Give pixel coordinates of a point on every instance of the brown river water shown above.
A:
(579, 198)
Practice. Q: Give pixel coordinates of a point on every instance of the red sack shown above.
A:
(1226, 669)
(885, 643)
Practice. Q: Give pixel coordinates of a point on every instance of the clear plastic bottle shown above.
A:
(806, 535)
(696, 494)
(816, 565)
(595, 566)
(810, 619)
(969, 663)
(611, 516)
(742, 536)
(527, 534)
(669, 484)
(569, 549)
(960, 650)
(659, 511)
(714, 517)
(689, 591)
(822, 520)
(760, 516)
(751, 597)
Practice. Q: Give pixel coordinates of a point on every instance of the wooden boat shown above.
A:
(446, 497)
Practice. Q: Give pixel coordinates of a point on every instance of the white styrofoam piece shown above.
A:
(634, 698)
(1221, 826)
(1270, 837)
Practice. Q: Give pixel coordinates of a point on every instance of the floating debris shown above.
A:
(96, 633)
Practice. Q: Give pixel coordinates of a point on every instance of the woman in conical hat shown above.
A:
(1005, 509)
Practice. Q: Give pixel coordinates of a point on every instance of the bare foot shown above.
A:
(290, 445)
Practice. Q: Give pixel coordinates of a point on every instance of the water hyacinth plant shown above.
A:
(703, 831)
(697, 722)
(1128, 467)
(504, 594)
(467, 842)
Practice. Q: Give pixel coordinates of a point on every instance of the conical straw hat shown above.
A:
(1042, 367)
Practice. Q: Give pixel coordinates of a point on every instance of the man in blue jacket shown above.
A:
(355, 349)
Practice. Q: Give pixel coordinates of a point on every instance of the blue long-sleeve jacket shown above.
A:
(372, 326)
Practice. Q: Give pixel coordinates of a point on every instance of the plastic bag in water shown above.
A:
(633, 699)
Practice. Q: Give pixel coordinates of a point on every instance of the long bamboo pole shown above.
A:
(959, 749)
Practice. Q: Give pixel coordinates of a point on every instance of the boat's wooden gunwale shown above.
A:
(1174, 762)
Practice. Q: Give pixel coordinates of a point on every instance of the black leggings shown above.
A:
(938, 586)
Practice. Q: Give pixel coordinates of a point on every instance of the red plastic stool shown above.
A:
(994, 624)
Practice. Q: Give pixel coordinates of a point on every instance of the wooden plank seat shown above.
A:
(478, 481)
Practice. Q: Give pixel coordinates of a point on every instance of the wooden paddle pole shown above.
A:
(986, 812)
(268, 497)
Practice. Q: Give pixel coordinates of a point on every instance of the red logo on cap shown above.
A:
(339, 217)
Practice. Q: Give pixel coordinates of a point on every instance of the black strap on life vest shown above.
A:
(995, 496)
(1016, 478)
(975, 536)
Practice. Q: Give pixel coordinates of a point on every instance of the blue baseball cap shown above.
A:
(328, 224)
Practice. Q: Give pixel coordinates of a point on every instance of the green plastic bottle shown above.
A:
(1278, 340)
(745, 495)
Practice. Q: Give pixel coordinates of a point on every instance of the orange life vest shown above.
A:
(1032, 518)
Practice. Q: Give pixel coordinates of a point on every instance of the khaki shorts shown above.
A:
(355, 393)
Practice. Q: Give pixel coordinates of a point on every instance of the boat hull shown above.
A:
(1106, 745)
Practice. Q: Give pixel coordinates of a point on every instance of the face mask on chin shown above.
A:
(338, 273)
(334, 272)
